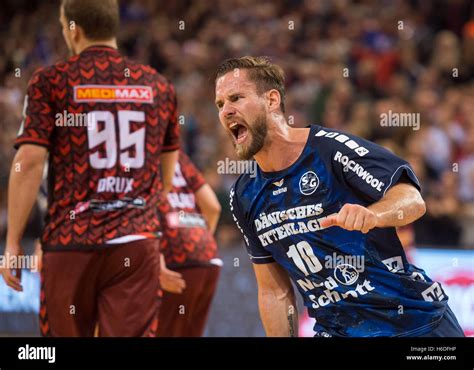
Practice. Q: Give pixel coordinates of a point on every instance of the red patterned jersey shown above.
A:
(105, 120)
(186, 239)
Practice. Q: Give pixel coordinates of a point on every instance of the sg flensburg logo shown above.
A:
(309, 182)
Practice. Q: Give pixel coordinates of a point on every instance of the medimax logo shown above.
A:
(111, 93)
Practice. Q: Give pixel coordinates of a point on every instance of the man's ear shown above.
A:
(273, 100)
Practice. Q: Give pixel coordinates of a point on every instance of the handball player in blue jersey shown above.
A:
(321, 211)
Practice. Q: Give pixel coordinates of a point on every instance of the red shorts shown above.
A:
(114, 288)
(185, 314)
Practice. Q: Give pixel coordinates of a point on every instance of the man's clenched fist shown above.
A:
(352, 217)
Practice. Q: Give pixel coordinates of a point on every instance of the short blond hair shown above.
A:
(262, 72)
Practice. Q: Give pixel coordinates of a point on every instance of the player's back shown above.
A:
(186, 241)
(105, 120)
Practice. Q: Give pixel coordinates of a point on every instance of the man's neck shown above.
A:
(88, 43)
(283, 146)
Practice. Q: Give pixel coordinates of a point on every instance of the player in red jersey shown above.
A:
(190, 215)
(107, 122)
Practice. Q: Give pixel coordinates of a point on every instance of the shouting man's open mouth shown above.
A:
(239, 132)
(248, 139)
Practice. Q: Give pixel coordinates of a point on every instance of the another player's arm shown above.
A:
(26, 175)
(209, 205)
(276, 300)
(402, 204)
(168, 163)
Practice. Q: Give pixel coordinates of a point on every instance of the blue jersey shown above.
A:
(353, 284)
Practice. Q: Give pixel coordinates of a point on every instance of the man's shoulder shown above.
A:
(247, 180)
(143, 67)
(61, 66)
(55, 70)
(133, 65)
(242, 192)
(46, 72)
(330, 140)
(245, 185)
(151, 72)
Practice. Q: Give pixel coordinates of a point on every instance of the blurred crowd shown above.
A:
(346, 64)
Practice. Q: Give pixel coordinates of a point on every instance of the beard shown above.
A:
(257, 133)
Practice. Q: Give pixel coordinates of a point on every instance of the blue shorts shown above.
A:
(448, 326)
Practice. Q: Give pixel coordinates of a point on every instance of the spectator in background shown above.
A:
(466, 168)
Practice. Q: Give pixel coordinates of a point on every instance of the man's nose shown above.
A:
(228, 110)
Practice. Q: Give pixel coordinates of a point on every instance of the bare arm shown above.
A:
(25, 179)
(401, 205)
(168, 163)
(276, 300)
(209, 205)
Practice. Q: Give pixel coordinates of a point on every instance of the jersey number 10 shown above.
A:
(303, 256)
